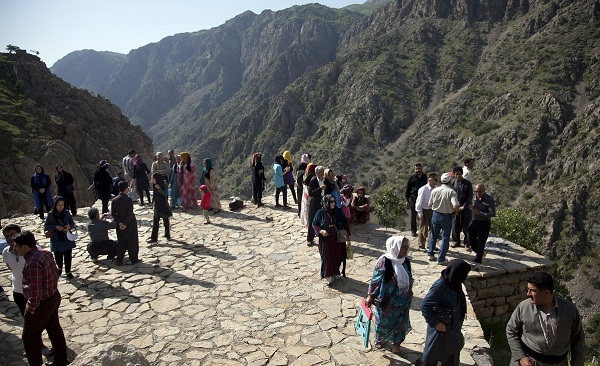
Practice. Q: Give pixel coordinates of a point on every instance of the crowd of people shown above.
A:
(543, 329)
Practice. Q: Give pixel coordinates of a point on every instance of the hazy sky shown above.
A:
(58, 27)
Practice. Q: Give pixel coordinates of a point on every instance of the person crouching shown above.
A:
(100, 243)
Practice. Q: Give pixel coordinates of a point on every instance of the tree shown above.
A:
(388, 207)
(515, 225)
(10, 48)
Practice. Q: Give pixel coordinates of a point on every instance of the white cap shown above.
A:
(447, 178)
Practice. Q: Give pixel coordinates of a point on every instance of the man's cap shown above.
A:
(447, 178)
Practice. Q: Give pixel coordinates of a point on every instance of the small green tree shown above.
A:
(10, 48)
(388, 206)
(519, 227)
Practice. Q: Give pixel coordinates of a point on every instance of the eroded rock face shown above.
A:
(50, 122)
(111, 354)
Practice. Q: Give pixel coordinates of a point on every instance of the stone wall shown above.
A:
(501, 284)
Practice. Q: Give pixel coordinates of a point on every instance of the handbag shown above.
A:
(341, 236)
(349, 253)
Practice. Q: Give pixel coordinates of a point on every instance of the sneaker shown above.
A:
(310, 243)
(207, 222)
(455, 245)
(444, 262)
(150, 240)
(70, 276)
(431, 258)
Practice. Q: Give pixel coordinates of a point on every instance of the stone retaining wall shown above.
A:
(501, 284)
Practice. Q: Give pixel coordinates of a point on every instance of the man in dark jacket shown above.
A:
(462, 219)
(415, 182)
(127, 232)
(66, 188)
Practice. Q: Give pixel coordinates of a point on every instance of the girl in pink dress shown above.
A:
(187, 182)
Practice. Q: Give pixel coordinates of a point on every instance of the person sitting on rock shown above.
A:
(100, 243)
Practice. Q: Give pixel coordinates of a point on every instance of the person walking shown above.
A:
(444, 309)
(40, 287)
(444, 204)
(103, 185)
(392, 279)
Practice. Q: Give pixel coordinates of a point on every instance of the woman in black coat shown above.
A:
(66, 188)
(161, 208)
(140, 174)
(40, 187)
(103, 185)
(258, 179)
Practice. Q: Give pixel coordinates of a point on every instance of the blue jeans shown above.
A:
(440, 222)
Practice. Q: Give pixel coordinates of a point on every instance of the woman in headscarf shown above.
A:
(318, 187)
(258, 179)
(300, 170)
(140, 174)
(187, 182)
(444, 309)
(103, 185)
(210, 179)
(360, 206)
(305, 206)
(336, 191)
(161, 208)
(40, 188)
(327, 222)
(60, 221)
(288, 177)
(392, 279)
(174, 183)
(66, 188)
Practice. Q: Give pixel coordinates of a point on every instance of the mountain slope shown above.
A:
(45, 120)
(88, 69)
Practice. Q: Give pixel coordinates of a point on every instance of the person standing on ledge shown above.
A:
(484, 208)
(415, 182)
(544, 328)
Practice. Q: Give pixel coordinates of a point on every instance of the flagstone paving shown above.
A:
(244, 290)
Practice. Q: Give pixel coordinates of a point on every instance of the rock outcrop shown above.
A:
(47, 121)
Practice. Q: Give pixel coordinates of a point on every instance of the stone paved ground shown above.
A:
(241, 291)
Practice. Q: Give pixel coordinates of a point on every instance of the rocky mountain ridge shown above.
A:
(48, 121)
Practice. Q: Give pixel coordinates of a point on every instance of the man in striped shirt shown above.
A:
(40, 287)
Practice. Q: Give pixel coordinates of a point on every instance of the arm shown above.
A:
(491, 205)
(514, 329)
(408, 189)
(419, 204)
(34, 274)
(153, 168)
(49, 224)
(378, 274)
(577, 341)
(432, 299)
(213, 178)
(455, 202)
(469, 201)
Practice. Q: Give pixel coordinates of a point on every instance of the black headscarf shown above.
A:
(454, 275)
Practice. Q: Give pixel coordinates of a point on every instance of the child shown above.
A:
(346, 201)
(205, 202)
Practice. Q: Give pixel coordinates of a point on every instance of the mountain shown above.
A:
(45, 120)
(513, 83)
(88, 69)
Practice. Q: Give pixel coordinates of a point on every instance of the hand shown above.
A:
(419, 218)
(122, 226)
(60, 228)
(348, 238)
(475, 211)
(461, 208)
(407, 204)
(67, 228)
(156, 186)
(323, 187)
(441, 327)
(324, 233)
(369, 300)
(525, 361)
(42, 190)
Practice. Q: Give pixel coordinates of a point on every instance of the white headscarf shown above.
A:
(393, 245)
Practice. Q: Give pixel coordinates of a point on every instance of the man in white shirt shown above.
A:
(423, 209)
(444, 204)
(128, 170)
(469, 165)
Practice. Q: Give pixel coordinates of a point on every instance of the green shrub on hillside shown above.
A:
(519, 227)
(388, 206)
